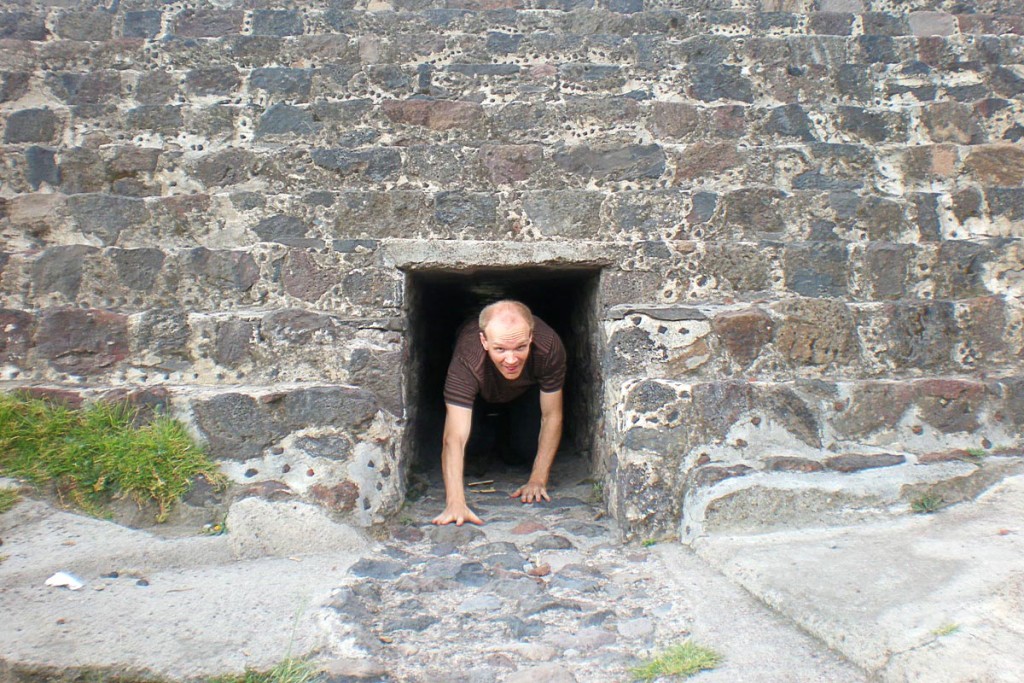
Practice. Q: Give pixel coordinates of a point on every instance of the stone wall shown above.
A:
(807, 216)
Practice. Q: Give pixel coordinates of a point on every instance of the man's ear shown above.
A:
(483, 340)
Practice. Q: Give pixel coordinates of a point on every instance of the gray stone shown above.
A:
(282, 229)
(480, 604)
(23, 26)
(711, 82)
(218, 81)
(31, 125)
(418, 622)
(633, 162)
(375, 164)
(229, 270)
(521, 630)
(106, 216)
(921, 335)
(208, 23)
(817, 269)
(141, 23)
(13, 85)
(287, 119)
(291, 83)
(382, 570)
(1008, 202)
(551, 542)
(94, 87)
(137, 269)
(277, 23)
(234, 425)
(159, 118)
(41, 167)
(342, 407)
(459, 210)
(59, 269)
(163, 333)
(563, 214)
(790, 121)
(472, 574)
(233, 342)
(229, 167)
(84, 25)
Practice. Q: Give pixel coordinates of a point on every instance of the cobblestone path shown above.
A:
(547, 593)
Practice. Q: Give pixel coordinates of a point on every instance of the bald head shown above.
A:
(506, 312)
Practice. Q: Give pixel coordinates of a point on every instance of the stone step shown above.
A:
(765, 502)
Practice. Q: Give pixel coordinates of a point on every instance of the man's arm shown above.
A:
(547, 445)
(457, 424)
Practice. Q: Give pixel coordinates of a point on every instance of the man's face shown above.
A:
(507, 342)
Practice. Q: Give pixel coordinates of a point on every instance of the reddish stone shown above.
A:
(949, 389)
(730, 121)
(340, 497)
(675, 119)
(82, 342)
(709, 476)
(542, 570)
(790, 464)
(704, 159)
(306, 279)
(943, 456)
(743, 333)
(510, 163)
(269, 490)
(434, 114)
(63, 397)
(409, 534)
(855, 462)
(528, 527)
(950, 405)
(1000, 165)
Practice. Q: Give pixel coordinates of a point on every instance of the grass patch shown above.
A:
(8, 497)
(684, 659)
(288, 671)
(946, 630)
(926, 504)
(98, 453)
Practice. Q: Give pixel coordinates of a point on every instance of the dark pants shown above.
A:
(507, 431)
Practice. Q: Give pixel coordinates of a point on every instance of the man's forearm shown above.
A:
(453, 457)
(547, 447)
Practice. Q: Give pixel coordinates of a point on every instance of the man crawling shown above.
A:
(503, 396)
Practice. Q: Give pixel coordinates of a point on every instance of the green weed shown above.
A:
(684, 659)
(977, 453)
(98, 453)
(926, 504)
(8, 498)
(288, 671)
(648, 542)
(946, 629)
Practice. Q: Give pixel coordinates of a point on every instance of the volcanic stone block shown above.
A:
(277, 23)
(959, 269)
(707, 159)
(709, 475)
(744, 333)
(82, 342)
(374, 371)
(287, 119)
(1006, 82)
(23, 26)
(885, 269)
(41, 167)
(233, 342)
(229, 270)
(755, 210)
(291, 83)
(297, 327)
(507, 164)
(217, 80)
(378, 164)
(31, 125)
(932, 24)
(16, 330)
(434, 114)
(84, 25)
(1006, 201)
(881, 219)
(872, 406)
(566, 213)
(105, 216)
(208, 23)
(340, 407)
(304, 278)
(816, 332)
(790, 121)
(784, 406)
(856, 462)
(227, 167)
(926, 215)
(235, 426)
(869, 125)
(142, 23)
(817, 269)
(157, 87)
(790, 464)
(921, 335)
(715, 81)
(675, 120)
(161, 336)
(59, 269)
(159, 118)
(999, 165)
(340, 497)
(283, 230)
(458, 210)
(648, 502)
(830, 23)
(632, 162)
(95, 87)
(13, 85)
(740, 267)
(951, 405)
(952, 122)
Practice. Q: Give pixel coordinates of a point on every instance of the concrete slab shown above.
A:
(936, 597)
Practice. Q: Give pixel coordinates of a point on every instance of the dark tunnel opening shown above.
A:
(438, 302)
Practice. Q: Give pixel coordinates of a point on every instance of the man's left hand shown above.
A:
(531, 492)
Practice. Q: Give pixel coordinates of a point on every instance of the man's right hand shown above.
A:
(458, 513)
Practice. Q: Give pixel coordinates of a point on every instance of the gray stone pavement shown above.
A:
(539, 593)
